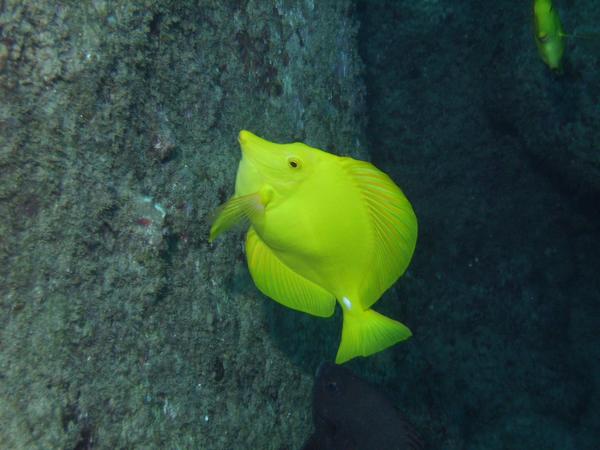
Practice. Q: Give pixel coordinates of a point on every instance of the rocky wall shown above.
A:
(120, 326)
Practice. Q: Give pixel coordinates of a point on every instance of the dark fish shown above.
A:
(351, 414)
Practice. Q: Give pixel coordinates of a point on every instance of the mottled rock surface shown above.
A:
(120, 326)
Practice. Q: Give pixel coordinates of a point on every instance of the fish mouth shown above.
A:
(245, 136)
(251, 143)
(265, 156)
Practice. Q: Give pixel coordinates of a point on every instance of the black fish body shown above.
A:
(351, 414)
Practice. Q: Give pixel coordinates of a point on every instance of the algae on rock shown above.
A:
(120, 325)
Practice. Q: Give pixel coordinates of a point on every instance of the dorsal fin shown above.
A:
(394, 227)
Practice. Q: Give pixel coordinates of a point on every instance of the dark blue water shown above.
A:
(500, 159)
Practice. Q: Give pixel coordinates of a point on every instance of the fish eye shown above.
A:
(294, 163)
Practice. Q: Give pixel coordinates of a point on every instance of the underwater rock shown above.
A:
(121, 325)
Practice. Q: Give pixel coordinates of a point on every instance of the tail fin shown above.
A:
(367, 332)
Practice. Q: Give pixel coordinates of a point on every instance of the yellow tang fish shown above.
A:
(323, 228)
(549, 34)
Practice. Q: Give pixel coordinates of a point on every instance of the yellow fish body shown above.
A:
(549, 35)
(323, 228)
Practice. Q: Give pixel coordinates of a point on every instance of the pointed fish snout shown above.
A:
(249, 140)
(244, 136)
(257, 149)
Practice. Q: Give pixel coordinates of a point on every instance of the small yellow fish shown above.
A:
(549, 35)
(323, 228)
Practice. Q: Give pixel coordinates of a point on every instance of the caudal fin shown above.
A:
(367, 332)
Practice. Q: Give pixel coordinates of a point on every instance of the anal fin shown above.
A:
(277, 281)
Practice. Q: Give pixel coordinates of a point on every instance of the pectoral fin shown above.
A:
(236, 210)
(276, 280)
